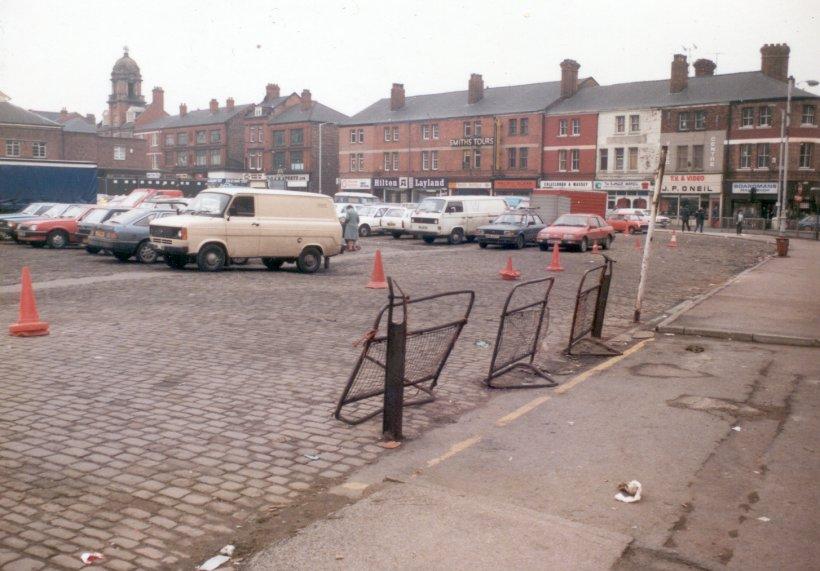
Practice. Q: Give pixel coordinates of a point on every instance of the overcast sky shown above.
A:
(58, 53)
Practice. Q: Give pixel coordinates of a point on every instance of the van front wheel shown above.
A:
(309, 261)
(211, 258)
(456, 237)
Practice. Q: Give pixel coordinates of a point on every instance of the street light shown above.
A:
(321, 147)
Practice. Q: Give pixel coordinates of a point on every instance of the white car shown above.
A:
(370, 219)
(396, 221)
(661, 220)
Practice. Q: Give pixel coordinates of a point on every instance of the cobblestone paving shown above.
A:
(166, 409)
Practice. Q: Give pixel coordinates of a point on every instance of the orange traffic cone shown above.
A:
(377, 280)
(638, 245)
(673, 243)
(29, 324)
(510, 273)
(555, 264)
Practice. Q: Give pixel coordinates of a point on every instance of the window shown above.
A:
(387, 161)
(201, 158)
(619, 159)
(279, 161)
(747, 117)
(169, 140)
(562, 160)
(154, 162)
(620, 124)
(360, 158)
(697, 157)
(386, 134)
(477, 158)
(395, 133)
(154, 139)
(352, 135)
(634, 123)
(455, 207)
(808, 115)
(182, 138)
(468, 129)
(435, 130)
(297, 137)
(260, 134)
(683, 121)
(200, 137)
(169, 158)
(182, 159)
(252, 135)
(425, 132)
(683, 158)
(257, 111)
(700, 119)
(477, 128)
(279, 139)
(511, 157)
(562, 128)
(361, 135)
(745, 156)
(425, 160)
(297, 162)
(242, 206)
(806, 151)
(434, 160)
(216, 157)
(576, 160)
(524, 125)
(466, 160)
(633, 158)
(395, 161)
(764, 119)
(512, 127)
(119, 153)
(576, 127)
(763, 155)
(603, 161)
(216, 136)
(523, 156)
(38, 150)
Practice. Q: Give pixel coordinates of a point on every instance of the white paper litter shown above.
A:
(213, 563)
(228, 550)
(91, 557)
(736, 428)
(629, 492)
(763, 518)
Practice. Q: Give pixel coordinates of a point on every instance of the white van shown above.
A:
(279, 226)
(342, 199)
(454, 217)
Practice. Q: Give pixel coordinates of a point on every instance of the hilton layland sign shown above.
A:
(472, 142)
(691, 184)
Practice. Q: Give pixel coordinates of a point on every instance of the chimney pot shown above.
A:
(306, 100)
(680, 74)
(158, 98)
(229, 103)
(271, 92)
(774, 61)
(704, 67)
(63, 113)
(397, 96)
(475, 88)
(569, 77)
(183, 109)
(214, 106)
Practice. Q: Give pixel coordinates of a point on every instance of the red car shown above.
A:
(140, 195)
(577, 230)
(56, 232)
(629, 223)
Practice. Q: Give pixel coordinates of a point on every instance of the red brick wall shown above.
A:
(717, 118)
(92, 147)
(27, 136)
(586, 140)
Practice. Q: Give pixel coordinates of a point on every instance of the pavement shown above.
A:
(721, 433)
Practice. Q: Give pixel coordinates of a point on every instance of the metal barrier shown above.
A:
(425, 349)
(590, 307)
(519, 333)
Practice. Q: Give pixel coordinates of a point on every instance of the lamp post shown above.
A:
(321, 149)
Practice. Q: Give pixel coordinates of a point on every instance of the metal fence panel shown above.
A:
(590, 306)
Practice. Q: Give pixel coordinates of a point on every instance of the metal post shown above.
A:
(394, 370)
(647, 247)
(786, 157)
(780, 167)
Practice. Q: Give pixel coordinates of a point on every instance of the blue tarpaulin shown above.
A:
(23, 182)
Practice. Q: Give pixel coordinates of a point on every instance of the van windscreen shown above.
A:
(431, 205)
(209, 204)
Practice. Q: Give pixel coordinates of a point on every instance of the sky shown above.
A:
(58, 53)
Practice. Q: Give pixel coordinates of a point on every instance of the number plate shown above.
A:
(422, 227)
(100, 233)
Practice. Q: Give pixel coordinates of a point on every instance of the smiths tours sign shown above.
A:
(691, 184)
(472, 142)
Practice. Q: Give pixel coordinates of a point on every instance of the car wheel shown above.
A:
(607, 243)
(520, 242)
(211, 258)
(396, 235)
(92, 249)
(456, 237)
(176, 261)
(429, 239)
(543, 246)
(146, 254)
(57, 239)
(482, 245)
(364, 231)
(272, 263)
(122, 256)
(309, 261)
(584, 245)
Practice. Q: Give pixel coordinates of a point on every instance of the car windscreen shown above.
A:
(95, 216)
(209, 203)
(431, 205)
(128, 218)
(510, 219)
(55, 210)
(395, 212)
(73, 211)
(133, 198)
(31, 209)
(571, 220)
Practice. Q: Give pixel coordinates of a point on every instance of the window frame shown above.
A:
(523, 157)
(204, 138)
(747, 117)
(700, 120)
(575, 160)
(575, 125)
(748, 156)
(467, 129)
(562, 127)
(216, 136)
(435, 133)
(434, 160)
(279, 138)
(632, 153)
(682, 158)
(120, 153)
(620, 158)
(425, 160)
(215, 153)
(387, 134)
(562, 160)
(603, 160)
(764, 113)
(812, 115)
(38, 149)
(806, 156)
(395, 134)
(512, 158)
(620, 123)
(297, 137)
(683, 121)
(698, 154)
(512, 126)
(524, 126)
(633, 121)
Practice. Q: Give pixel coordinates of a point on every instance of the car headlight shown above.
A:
(182, 234)
(569, 236)
(479, 232)
(510, 233)
(33, 227)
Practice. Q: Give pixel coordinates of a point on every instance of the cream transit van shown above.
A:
(238, 222)
(454, 217)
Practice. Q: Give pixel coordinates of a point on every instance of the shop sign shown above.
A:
(356, 184)
(514, 184)
(296, 180)
(428, 183)
(392, 182)
(691, 184)
(153, 175)
(760, 187)
(565, 184)
(485, 185)
(472, 142)
(623, 185)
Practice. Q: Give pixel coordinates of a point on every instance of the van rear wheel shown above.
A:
(309, 261)
(211, 258)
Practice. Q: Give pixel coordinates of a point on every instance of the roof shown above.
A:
(317, 113)
(273, 102)
(125, 66)
(232, 190)
(78, 125)
(496, 101)
(195, 118)
(11, 114)
(730, 87)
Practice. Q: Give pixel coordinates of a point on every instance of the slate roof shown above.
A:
(317, 113)
(78, 125)
(730, 87)
(11, 114)
(195, 118)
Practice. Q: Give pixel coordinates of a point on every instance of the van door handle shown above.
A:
(254, 223)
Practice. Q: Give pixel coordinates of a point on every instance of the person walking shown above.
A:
(684, 221)
(739, 223)
(351, 231)
(700, 217)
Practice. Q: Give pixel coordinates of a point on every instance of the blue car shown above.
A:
(126, 235)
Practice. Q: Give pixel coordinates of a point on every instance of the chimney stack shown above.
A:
(569, 77)
(271, 92)
(183, 110)
(397, 96)
(307, 103)
(229, 103)
(158, 98)
(680, 74)
(91, 118)
(704, 67)
(475, 88)
(774, 61)
(63, 115)
(214, 106)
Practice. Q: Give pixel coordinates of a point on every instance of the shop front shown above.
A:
(754, 199)
(626, 193)
(392, 188)
(686, 193)
(471, 188)
(427, 186)
(356, 185)
(510, 187)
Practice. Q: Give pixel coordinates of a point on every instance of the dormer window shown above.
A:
(257, 111)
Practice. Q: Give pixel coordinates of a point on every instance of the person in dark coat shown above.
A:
(700, 217)
(739, 223)
(684, 221)
(351, 231)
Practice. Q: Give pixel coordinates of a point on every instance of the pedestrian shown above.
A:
(351, 231)
(739, 224)
(700, 217)
(684, 221)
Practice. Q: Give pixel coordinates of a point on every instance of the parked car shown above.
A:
(808, 222)
(644, 215)
(515, 228)
(10, 222)
(92, 220)
(577, 230)
(342, 199)
(396, 221)
(140, 195)
(226, 223)
(127, 235)
(455, 218)
(57, 233)
(626, 223)
(370, 219)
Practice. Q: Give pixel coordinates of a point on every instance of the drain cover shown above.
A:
(695, 348)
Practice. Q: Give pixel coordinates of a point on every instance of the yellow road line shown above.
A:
(600, 367)
(521, 411)
(454, 449)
